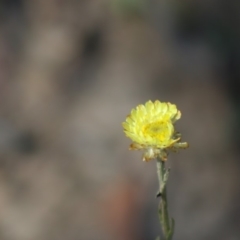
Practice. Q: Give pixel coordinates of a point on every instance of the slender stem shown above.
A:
(167, 224)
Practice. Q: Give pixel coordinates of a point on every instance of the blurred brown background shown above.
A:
(70, 72)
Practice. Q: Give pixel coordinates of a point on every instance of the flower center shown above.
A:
(160, 131)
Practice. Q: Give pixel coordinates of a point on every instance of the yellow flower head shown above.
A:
(151, 127)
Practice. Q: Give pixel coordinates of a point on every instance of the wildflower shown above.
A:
(151, 127)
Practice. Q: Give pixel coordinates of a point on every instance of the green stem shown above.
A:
(166, 222)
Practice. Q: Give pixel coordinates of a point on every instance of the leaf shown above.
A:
(170, 233)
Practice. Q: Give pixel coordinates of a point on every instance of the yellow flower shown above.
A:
(151, 127)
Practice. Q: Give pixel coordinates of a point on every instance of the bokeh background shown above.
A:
(70, 72)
